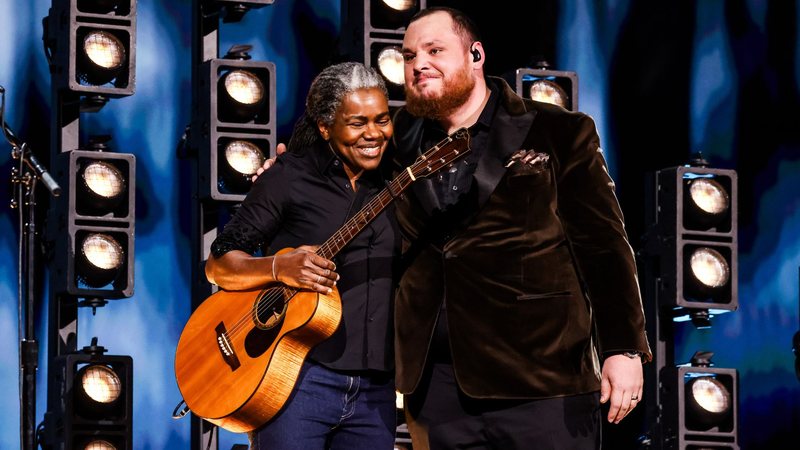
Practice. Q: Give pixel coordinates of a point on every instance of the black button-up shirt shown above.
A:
(453, 186)
(303, 200)
(452, 183)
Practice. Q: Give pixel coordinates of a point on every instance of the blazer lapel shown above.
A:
(507, 135)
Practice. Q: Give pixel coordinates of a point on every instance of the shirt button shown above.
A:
(455, 188)
(371, 318)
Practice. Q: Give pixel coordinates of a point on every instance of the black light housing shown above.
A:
(369, 28)
(95, 410)
(239, 113)
(557, 87)
(234, 10)
(92, 47)
(97, 216)
(700, 405)
(694, 236)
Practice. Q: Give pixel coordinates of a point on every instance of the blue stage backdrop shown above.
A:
(662, 82)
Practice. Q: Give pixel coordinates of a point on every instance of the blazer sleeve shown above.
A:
(594, 225)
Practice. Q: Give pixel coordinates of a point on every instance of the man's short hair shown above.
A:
(462, 24)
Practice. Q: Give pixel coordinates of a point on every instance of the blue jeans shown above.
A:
(332, 410)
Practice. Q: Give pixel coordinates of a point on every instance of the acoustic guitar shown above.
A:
(240, 353)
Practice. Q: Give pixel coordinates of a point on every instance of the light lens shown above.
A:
(710, 394)
(709, 267)
(548, 92)
(400, 5)
(101, 384)
(709, 196)
(104, 50)
(708, 403)
(103, 179)
(244, 87)
(244, 157)
(102, 251)
(100, 445)
(390, 64)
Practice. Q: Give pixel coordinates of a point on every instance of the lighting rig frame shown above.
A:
(661, 265)
(69, 99)
(209, 205)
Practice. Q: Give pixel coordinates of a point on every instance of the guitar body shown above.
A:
(237, 375)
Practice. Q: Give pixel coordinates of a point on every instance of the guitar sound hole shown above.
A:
(269, 309)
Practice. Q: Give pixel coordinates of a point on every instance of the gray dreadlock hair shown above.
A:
(326, 94)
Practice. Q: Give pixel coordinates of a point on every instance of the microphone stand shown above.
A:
(24, 178)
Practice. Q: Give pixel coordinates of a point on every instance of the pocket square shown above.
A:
(529, 160)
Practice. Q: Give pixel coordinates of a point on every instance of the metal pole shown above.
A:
(205, 46)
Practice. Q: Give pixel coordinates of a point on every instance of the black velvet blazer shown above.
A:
(538, 274)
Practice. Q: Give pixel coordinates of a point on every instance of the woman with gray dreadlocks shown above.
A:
(344, 394)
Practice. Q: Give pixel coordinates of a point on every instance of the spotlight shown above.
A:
(237, 119)
(548, 86)
(390, 64)
(707, 401)
(95, 393)
(700, 405)
(96, 257)
(91, 47)
(239, 161)
(372, 32)
(99, 260)
(390, 14)
(101, 186)
(386, 56)
(101, 57)
(241, 96)
(694, 236)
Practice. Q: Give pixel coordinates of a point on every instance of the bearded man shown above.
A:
(519, 310)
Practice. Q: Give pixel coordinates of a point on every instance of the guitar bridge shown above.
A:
(225, 347)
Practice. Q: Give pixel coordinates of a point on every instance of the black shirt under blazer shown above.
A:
(534, 264)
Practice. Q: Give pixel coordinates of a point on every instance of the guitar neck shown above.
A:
(365, 216)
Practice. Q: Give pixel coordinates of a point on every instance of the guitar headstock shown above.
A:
(449, 150)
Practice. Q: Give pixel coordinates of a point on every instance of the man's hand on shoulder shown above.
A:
(279, 150)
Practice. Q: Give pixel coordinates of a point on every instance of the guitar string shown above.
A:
(285, 293)
(278, 294)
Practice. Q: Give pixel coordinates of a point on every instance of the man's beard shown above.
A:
(454, 94)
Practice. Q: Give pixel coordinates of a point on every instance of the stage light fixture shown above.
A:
(99, 6)
(386, 56)
(234, 10)
(372, 33)
(700, 405)
(556, 87)
(91, 47)
(101, 57)
(95, 401)
(241, 96)
(693, 233)
(97, 216)
(237, 119)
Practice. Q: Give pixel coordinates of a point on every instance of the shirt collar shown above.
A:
(328, 162)
(485, 119)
